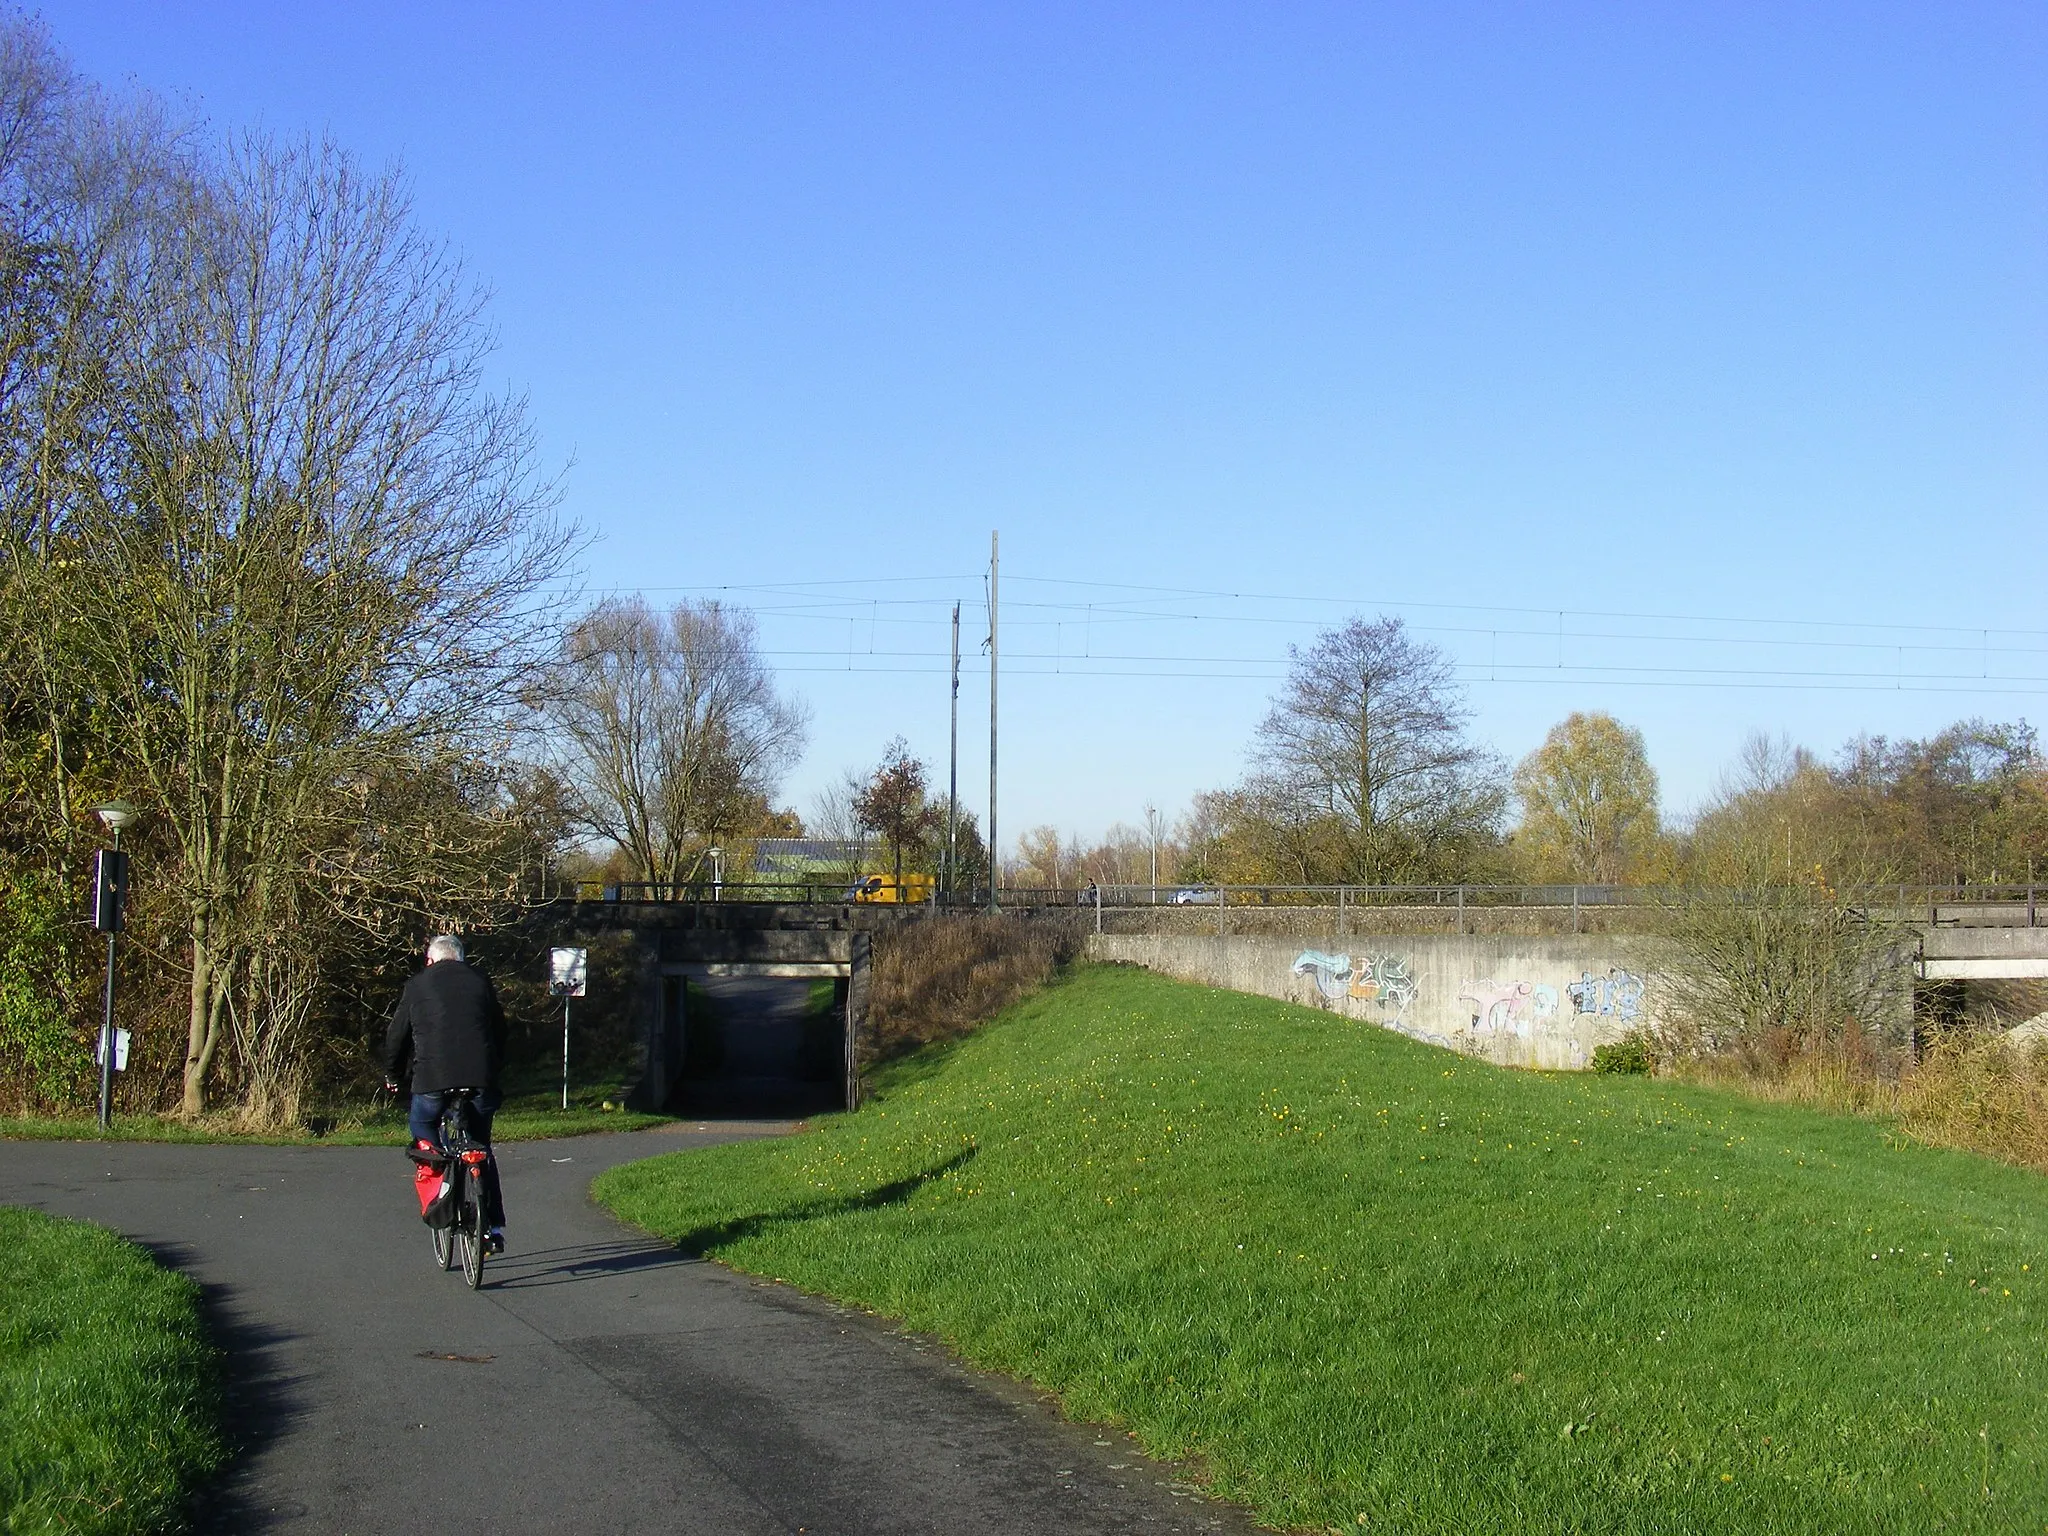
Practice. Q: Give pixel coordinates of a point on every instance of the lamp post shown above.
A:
(717, 871)
(109, 897)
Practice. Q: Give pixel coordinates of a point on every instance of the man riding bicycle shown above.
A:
(449, 1023)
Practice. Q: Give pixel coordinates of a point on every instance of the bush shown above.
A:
(1771, 968)
(48, 1060)
(1632, 1053)
(944, 977)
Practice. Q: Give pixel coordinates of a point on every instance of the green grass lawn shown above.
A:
(108, 1388)
(1374, 1285)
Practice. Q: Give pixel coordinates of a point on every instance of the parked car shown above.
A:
(1197, 896)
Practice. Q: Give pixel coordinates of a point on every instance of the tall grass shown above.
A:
(1974, 1092)
(1979, 1093)
(108, 1386)
(942, 978)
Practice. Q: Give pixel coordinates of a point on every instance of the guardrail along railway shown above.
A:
(1981, 932)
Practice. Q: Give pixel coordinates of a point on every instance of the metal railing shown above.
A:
(2004, 905)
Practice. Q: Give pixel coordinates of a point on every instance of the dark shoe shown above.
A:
(494, 1240)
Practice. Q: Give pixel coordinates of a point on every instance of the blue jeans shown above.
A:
(426, 1115)
(426, 1126)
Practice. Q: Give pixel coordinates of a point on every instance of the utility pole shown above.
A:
(953, 772)
(995, 857)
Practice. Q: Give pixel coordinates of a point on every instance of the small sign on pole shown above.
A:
(568, 969)
(109, 889)
(99, 1054)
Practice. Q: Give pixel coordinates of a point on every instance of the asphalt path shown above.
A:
(601, 1381)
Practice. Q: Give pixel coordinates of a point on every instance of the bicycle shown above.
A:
(469, 1234)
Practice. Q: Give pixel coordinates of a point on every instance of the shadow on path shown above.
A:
(260, 1399)
(586, 1261)
(697, 1244)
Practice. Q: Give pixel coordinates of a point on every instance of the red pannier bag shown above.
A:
(433, 1180)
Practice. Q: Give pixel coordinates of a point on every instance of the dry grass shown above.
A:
(1970, 1091)
(943, 978)
(1979, 1093)
(1829, 1081)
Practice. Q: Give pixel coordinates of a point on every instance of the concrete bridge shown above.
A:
(730, 1018)
(1983, 941)
(725, 998)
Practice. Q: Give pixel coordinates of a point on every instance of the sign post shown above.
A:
(109, 898)
(567, 971)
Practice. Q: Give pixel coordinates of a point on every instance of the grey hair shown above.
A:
(444, 946)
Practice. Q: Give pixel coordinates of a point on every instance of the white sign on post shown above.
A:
(99, 1051)
(567, 971)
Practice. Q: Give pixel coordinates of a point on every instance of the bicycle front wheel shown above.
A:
(473, 1228)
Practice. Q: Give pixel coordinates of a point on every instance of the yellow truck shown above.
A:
(883, 888)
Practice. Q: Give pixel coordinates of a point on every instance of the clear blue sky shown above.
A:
(1682, 361)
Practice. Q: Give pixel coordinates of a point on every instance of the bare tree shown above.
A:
(1772, 963)
(1119, 859)
(675, 732)
(311, 551)
(835, 819)
(1199, 835)
(1371, 730)
(1044, 859)
(894, 806)
(86, 184)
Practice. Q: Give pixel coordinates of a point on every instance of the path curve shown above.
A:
(613, 1385)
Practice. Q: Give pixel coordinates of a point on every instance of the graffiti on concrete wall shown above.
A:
(1508, 1007)
(1512, 1016)
(1385, 981)
(1332, 973)
(1617, 995)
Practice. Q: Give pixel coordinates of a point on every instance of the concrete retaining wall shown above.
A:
(1525, 1002)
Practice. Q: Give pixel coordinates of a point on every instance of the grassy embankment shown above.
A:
(1372, 1285)
(107, 1384)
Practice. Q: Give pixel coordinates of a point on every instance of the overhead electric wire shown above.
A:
(1919, 648)
(823, 610)
(1380, 602)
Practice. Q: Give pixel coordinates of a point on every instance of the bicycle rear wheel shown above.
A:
(473, 1228)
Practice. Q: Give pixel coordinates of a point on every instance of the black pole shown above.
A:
(110, 918)
(107, 1045)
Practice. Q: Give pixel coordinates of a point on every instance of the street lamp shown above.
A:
(109, 897)
(717, 871)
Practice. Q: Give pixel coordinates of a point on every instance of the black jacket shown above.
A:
(449, 1022)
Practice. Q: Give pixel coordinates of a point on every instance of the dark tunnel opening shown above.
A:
(762, 1045)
